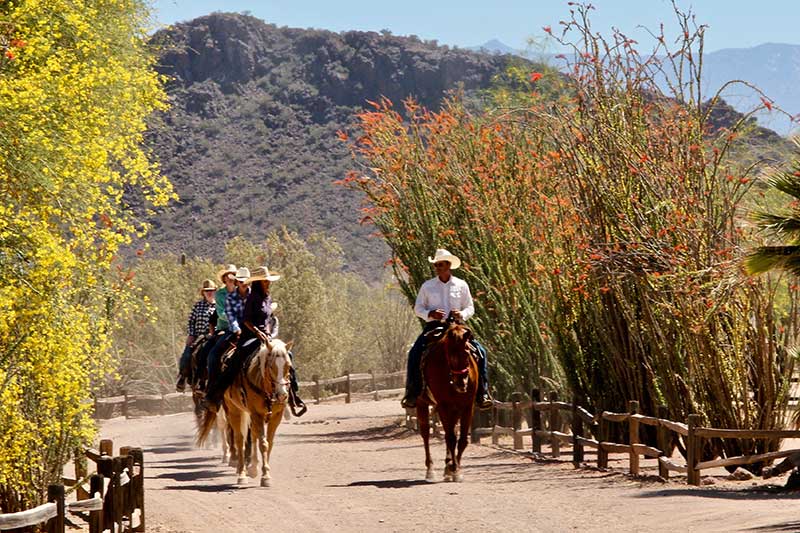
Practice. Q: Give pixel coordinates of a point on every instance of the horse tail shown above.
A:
(204, 428)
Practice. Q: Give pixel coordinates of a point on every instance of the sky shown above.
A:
(732, 23)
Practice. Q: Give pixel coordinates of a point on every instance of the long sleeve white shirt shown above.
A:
(451, 296)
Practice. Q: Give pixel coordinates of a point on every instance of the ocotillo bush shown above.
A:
(600, 235)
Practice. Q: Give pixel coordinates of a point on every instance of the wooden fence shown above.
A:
(112, 509)
(366, 386)
(349, 387)
(547, 420)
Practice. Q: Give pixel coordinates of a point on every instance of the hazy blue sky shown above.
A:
(733, 23)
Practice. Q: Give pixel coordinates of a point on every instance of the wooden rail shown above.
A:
(364, 386)
(544, 418)
(111, 509)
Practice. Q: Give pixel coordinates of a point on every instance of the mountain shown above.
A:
(250, 141)
(495, 46)
(772, 67)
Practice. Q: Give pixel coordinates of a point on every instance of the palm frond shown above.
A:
(779, 223)
(766, 258)
(785, 181)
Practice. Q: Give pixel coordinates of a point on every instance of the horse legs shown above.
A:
(465, 423)
(256, 440)
(236, 418)
(424, 423)
(222, 432)
(266, 448)
(449, 427)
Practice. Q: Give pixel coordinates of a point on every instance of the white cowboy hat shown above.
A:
(443, 255)
(208, 285)
(273, 306)
(262, 272)
(242, 273)
(230, 269)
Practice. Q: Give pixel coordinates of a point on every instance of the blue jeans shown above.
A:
(184, 364)
(214, 356)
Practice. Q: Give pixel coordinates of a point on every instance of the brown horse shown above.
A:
(451, 377)
(257, 396)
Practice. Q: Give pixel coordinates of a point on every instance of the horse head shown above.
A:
(275, 368)
(458, 353)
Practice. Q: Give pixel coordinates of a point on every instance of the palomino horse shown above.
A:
(257, 396)
(451, 377)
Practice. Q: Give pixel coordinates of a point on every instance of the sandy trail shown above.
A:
(355, 468)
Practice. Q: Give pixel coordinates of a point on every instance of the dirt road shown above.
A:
(354, 468)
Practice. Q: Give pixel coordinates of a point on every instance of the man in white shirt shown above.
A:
(437, 299)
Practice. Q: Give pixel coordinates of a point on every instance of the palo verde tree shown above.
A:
(76, 83)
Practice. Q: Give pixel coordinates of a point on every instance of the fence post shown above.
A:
(693, 450)
(316, 388)
(96, 517)
(55, 494)
(474, 438)
(138, 459)
(516, 420)
(555, 444)
(349, 387)
(495, 423)
(107, 448)
(125, 404)
(105, 467)
(577, 431)
(633, 436)
(602, 435)
(662, 436)
(536, 418)
(374, 385)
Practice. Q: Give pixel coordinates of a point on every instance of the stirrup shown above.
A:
(293, 400)
(484, 401)
(409, 401)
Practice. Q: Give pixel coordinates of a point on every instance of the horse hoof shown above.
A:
(430, 476)
(458, 478)
(266, 482)
(241, 480)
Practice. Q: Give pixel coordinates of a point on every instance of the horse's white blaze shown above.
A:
(281, 389)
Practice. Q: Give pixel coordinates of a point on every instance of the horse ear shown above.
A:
(289, 345)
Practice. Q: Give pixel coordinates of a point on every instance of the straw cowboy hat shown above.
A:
(263, 272)
(443, 255)
(230, 269)
(208, 285)
(242, 273)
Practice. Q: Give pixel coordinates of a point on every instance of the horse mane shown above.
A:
(258, 364)
(453, 331)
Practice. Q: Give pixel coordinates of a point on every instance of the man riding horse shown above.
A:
(198, 327)
(439, 298)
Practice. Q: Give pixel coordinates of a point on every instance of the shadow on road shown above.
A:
(170, 448)
(194, 475)
(782, 526)
(764, 492)
(385, 483)
(225, 487)
(362, 435)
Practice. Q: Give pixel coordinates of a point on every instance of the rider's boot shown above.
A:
(409, 400)
(294, 398)
(483, 399)
(180, 386)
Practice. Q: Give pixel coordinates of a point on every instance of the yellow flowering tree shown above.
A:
(76, 84)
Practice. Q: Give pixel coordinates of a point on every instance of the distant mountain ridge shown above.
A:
(250, 139)
(773, 67)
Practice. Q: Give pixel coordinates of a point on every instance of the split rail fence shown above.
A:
(547, 421)
(113, 501)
